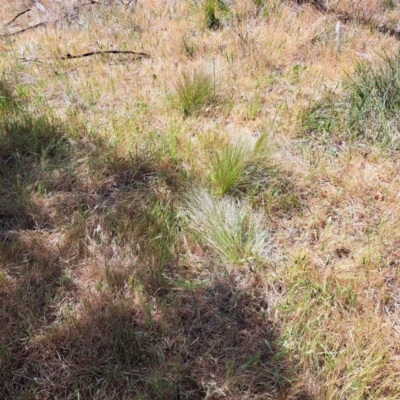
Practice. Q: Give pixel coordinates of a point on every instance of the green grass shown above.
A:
(27, 132)
(368, 108)
(210, 14)
(194, 92)
(239, 166)
(317, 337)
(227, 226)
(374, 97)
(228, 167)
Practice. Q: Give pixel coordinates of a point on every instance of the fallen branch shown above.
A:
(17, 16)
(26, 29)
(93, 53)
(43, 23)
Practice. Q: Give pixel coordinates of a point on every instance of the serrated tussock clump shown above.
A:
(226, 225)
(194, 92)
(242, 166)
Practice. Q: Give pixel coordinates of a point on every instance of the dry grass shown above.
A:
(237, 243)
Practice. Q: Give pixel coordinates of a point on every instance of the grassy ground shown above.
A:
(216, 220)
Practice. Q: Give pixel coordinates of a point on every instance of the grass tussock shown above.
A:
(242, 166)
(210, 14)
(196, 92)
(227, 226)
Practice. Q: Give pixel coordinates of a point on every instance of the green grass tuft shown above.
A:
(226, 225)
(210, 13)
(240, 166)
(194, 92)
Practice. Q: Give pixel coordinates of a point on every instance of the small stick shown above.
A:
(30, 60)
(93, 53)
(17, 16)
(337, 31)
(106, 5)
(90, 3)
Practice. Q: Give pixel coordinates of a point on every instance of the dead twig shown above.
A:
(93, 53)
(30, 60)
(90, 3)
(26, 29)
(17, 16)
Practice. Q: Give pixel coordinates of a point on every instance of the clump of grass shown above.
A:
(368, 108)
(259, 3)
(210, 13)
(194, 92)
(228, 166)
(374, 97)
(214, 12)
(241, 166)
(226, 225)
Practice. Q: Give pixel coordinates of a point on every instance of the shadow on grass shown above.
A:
(206, 343)
(139, 339)
(31, 145)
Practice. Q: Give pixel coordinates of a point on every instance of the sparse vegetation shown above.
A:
(229, 232)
